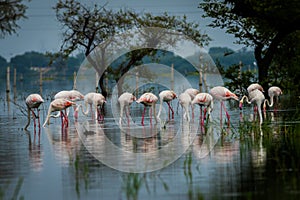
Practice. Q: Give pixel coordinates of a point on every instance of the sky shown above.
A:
(41, 31)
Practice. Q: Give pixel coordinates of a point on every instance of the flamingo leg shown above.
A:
(150, 115)
(75, 112)
(193, 115)
(34, 117)
(201, 117)
(128, 114)
(62, 117)
(170, 108)
(221, 112)
(205, 111)
(226, 112)
(143, 115)
(38, 116)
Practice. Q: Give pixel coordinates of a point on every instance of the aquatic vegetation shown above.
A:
(15, 195)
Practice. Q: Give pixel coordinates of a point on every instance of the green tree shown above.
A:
(3, 65)
(260, 24)
(10, 13)
(29, 59)
(87, 27)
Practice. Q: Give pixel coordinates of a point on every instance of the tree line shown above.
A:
(271, 28)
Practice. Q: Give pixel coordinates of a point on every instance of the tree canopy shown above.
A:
(86, 27)
(263, 25)
(10, 13)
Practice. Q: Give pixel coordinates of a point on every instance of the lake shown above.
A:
(176, 160)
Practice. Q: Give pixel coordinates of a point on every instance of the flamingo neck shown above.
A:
(247, 99)
(259, 113)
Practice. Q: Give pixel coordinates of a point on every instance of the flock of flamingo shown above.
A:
(190, 97)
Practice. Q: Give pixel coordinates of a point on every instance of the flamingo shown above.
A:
(71, 95)
(204, 99)
(192, 92)
(33, 101)
(125, 100)
(94, 99)
(59, 105)
(185, 101)
(221, 93)
(166, 96)
(254, 86)
(258, 98)
(273, 91)
(149, 100)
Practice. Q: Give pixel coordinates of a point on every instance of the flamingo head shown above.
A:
(231, 95)
(69, 103)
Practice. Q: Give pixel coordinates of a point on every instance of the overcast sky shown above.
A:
(41, 32)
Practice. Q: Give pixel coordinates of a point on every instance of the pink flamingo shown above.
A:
(273, 91)
(149, 100)
(125, 100)
(166, 96)
(185, 101)
(204, 99)
(222, 94)
(192, 92)
(258, 98)
(59, 105)
(33, 101)
(71, 95)
(254, 86)
(97, 100)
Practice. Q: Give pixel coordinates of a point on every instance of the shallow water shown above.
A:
(221, 162)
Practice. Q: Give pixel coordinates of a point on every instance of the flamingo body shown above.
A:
(125, 100)
(221, 93)
(59, 105)
(166, 96)
(273, 91)
(185, 101)
(257, 97)
(254, 86)
(94, 100)
(71, 95)
(192, 92)
(148, 100)
(204, 99)
(33, 101)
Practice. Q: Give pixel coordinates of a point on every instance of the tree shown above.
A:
(10, 13)
(87, 27)
(260, 24)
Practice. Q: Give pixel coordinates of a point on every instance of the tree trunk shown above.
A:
(102, 86)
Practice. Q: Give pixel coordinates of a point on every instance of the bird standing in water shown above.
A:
(166, 96)
(185, 102)
(257, 97)
(204, 99)
(148, 100)
(222, 94)
(192, 92)
(96, 100)
(273, 91)
(71, 95)
(33, 101)
(125, 100)
(59, 105)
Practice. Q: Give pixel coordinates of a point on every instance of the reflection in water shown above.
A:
(64, 142)
(35, 150)
(242, 164)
